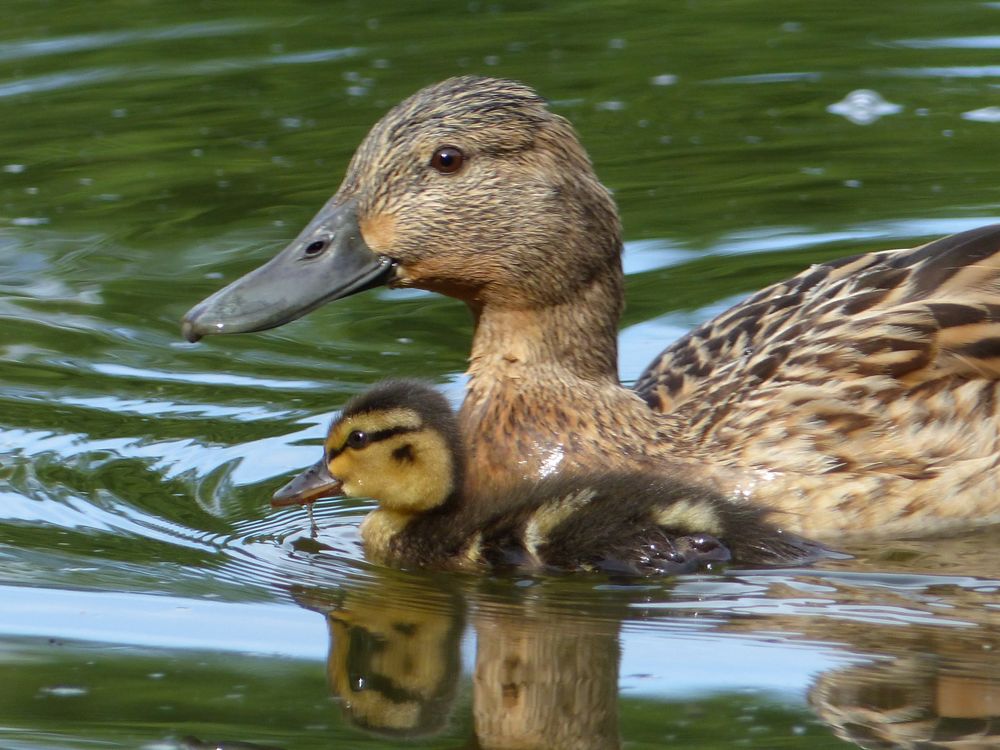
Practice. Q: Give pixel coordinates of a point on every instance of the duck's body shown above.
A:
(858, 397)
(399, 444)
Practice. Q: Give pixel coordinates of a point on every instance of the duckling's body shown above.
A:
(858, 397)
(399, 444)
(618, 523)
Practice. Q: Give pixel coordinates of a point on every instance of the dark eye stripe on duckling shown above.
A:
(375, 437)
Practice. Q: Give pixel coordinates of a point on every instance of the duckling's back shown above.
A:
(629, 523)
(642, 524)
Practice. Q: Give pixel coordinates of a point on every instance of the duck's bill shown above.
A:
(327, 261)
(312, 484)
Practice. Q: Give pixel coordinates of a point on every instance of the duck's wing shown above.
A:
(914, 311)
(887, 360)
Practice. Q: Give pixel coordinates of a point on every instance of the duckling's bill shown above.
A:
(328, 260)
(312, 484)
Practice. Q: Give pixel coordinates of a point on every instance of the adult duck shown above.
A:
(859, 396)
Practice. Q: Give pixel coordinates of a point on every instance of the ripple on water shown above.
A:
(282, 549)
(136, 72)
(30, 48)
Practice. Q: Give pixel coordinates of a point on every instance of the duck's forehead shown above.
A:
(372, 421)
(485, 112)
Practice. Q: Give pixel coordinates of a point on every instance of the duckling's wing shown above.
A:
(933, 305)
(890, 359)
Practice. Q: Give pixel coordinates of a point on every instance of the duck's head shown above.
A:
(470, 187)
(397, 443)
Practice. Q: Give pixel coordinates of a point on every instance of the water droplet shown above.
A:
(863, 107)
(612, 105)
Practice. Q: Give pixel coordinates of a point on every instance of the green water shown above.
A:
(152, 151)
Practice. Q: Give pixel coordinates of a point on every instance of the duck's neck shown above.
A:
(543, 390)
(574, 339)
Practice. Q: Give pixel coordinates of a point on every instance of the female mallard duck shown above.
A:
(400, 444)
(859, 396)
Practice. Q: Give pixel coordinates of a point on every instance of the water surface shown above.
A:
(152, 151)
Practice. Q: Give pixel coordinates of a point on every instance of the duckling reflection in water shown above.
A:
(400, 444)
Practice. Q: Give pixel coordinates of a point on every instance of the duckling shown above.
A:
(400, 444)
(860, 396)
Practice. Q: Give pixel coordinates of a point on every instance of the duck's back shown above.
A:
(903, 313)
(882, 366)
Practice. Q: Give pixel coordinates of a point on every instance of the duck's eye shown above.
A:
(357, 440)
(447, 160)
(314, 248)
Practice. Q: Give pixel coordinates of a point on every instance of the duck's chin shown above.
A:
(407, 277)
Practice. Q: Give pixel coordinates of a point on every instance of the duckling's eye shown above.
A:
(357, 440)
(314, 248)
(447, 160)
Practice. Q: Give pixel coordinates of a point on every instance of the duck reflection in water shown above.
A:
(394, 661)
(933, 675)
(546, 675)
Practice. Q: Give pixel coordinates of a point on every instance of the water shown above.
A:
(150, 152)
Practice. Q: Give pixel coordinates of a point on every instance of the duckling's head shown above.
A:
(471, 187)
(397, 443)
